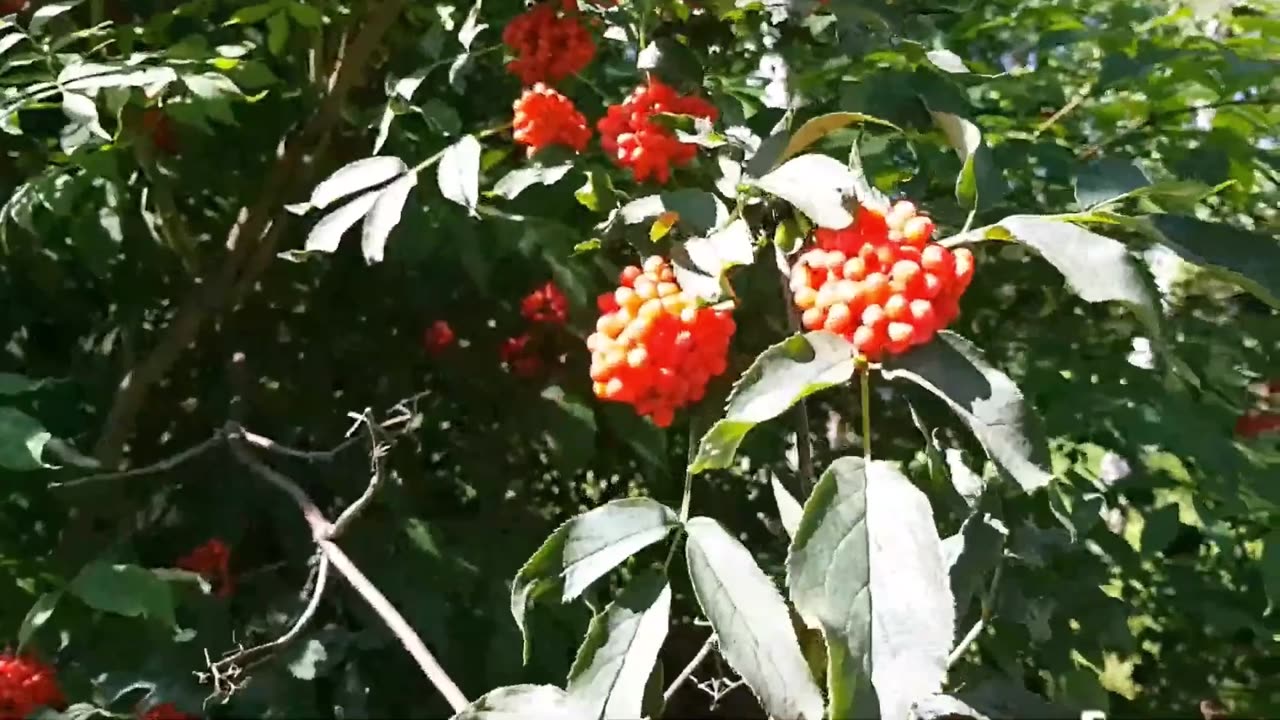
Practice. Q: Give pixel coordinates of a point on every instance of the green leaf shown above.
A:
(306, 15)
(1106, 181)
(1096, 268)
(700, 263)
(47, 12)
(866, 568)
(789, 509)
(1248, 259)
(972, 555)
(1269, 564)
(673, 63)
(823, 125)
(979, 183)
(780, 377)
(277, 33)
(37, 616)
(520, 179)
(459, 173)
(944, 707)
(816, 185)
(327, 234)
(22, 440)
(586, 547)
(252, 14)
(751, 622)
(985, 399)
(947, 61)
(384, 216)
(699, 210)
(617, 656)
(307, 659)
(14, 384)
(126, 590)
(597, 192)
(355, 177)
(524, 701)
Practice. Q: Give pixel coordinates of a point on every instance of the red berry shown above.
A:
(438, 337)
(26, 685)
(548, 45)
(545, 305)
(212, 561)
(544, 117)
(629, 135)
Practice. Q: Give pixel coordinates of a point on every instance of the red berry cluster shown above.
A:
(522, 355)
(526, 355)
(653, 346)
(548, 45)
(545, 305)
(212, 561)
(160, 128)
(630, 135)
(544, 117)
(1263, 419)
(880, 282)
(26, 684)
(438, 337)
(167, 711)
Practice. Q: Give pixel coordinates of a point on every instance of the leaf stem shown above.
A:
(864, 374)
(804, 449)
(686, 496)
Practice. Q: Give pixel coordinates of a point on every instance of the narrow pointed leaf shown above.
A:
(617, 657)
(384, 216)
(327, 234)
(985, 399)
(521, 179)
(585, 548)
(354, 177)
(517, 702)
(1248, 259)
(816, 185)
(780, 377)
(37, 616)
(823, 125)
(789, 509)
(751, 621)
(458, 174)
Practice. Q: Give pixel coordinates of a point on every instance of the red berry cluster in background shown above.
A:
(167, 711)
(653, 347)
(545, 305)
(159, 128)
(522, 355)
(438, 337)
(549, 46)
(880, 282)
(1261, 420)
(544, 117)
(26, 684)
(212, 561)
(632, 138)
(526, 355)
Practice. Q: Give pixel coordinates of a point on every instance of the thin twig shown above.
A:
(1154, 118)
(1062, 112)
(159, 466)
(987, 613)
(309, 455)
(376, 471)
(688, 669)
(804, 450)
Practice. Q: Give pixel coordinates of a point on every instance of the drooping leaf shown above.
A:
(1106, 181)
(979, 183)
(521, 179)
(586, 547)
(823, 125)
(354, 177)
(617, 656)
(327, 234)
(780, 377)
(816, 185)
(37, 616)
(985, 399)
(126, 590)
(789, 509)
(458, 174)
(14, 384)
(384, 216)
(751, 622)
(22, 440)
(1248, 259)
(524, 701)
(699, 210)
(1097, 268)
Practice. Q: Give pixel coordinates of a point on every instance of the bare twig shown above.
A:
(159, 466)
(987, 612)
(376, 470)
(1062, 112)
(688, 669)
(270, 445)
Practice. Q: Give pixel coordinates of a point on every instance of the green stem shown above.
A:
(686, 496)
(864, 372)
(436, 157)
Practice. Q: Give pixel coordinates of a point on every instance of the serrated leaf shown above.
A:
(823, 125)
(985, 399)
(751, 622)
(14, 384)
(617, 657)
(22, 440)
(355, 177)
(789, 509)
(546, 702)
(779, 377)
(327, 234)
(816, 185)
(384, 216)
(458, 174)
(1096, 268)
(37, 616)
(126, 590)
(1248, 259)
(585, 548)
(1106, 181)
(521, 179)
(700, 210)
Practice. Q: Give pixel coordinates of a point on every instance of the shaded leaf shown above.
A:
(751, 622)
(458, 174)
(126, 590)
(780, 377)
(816, 185)
(617, 657)
(944, 707)
(823, 125)
(699, 210)
(985, 399)
(789, 509)
(972, 555)
(520, 179)
(1248, 259)
(14, 384)
(37, 616)
(586, 547)
(22, 440)
(384, 216)
(700, 263)
(524, 701)
(354, 177)
(1106, 181)
(47, 12)
(979, 183)
(327, 234)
